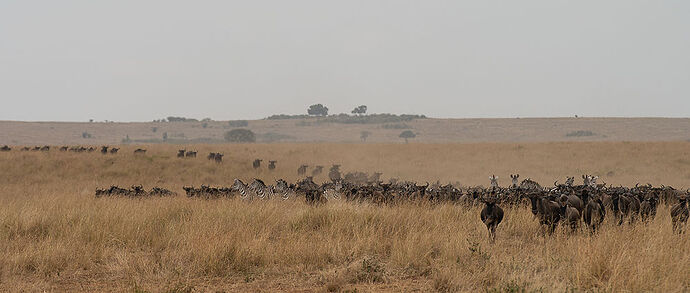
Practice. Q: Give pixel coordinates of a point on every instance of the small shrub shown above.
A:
(240, 135)
(579, 133)
(238, 123)
(396, 126)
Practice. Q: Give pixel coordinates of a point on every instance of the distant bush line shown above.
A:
(579, 133)
(353, 119)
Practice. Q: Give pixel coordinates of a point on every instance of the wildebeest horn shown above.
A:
(555, 183)
(636, 184)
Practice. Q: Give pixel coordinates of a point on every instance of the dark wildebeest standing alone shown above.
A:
(317, 171)
(679, 213)
(180, 153)
(257, 163)
(104, 150)
(491, 215)
(302, 170)
(334, 173)
(272, 165)
(139, 151)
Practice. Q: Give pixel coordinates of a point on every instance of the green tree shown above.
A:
(317, 110)
(362, 109)
(407, 134)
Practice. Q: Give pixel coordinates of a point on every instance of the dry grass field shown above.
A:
(309, 130)
(55, 236)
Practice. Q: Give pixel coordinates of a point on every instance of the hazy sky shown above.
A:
(142, 60)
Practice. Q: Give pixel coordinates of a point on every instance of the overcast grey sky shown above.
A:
(142, 60)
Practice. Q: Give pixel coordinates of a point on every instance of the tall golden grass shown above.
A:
(55, 236)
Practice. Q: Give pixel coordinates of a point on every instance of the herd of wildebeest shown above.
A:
(563, 203)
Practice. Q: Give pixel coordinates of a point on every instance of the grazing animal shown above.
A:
(139, 151)
(679, 214)
(317, 171)
(190, 154)
(242, 188)
(571, 215)
(302, 170)
(594, 213)
(283, 189)
(257, 163)
(5, 148)
(272, 165)
(334, 173)
(211, 156)
(259, 188)
(546, 209)
(218, 158)
(494, 181)
(569, 181)
(64, 148)
(491, 215)
(180, 153)
(114, 150)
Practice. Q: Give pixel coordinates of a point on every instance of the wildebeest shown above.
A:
(491, 215)
(546, 209)
(114, 150)
(272, 165)
(218, 158)
(257, 163)
(317, 171)
(679, 213)
(190, 154)
(594, 213)
(104, 150)
(180, 153)
(5, 148)
(625, 206)
(334, 173)
(302, 170)
(139, 151)
(64, 148)
(571, 215)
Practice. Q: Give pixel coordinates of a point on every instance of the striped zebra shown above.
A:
(242, 188)
(494, 181)
(259, 188)
(333, 190)
(283, 189)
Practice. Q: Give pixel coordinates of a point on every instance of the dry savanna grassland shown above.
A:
(56, 236)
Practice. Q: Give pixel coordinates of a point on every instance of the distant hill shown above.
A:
(300, 130)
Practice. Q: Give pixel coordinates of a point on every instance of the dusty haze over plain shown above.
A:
(144, 60)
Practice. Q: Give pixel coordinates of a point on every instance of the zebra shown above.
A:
(570, 181)
(283, 189)
(494, 181)
(317, 171)
(241, 187)
(257, 163)
(333, 190)
(259, 188)
(302, 170)
(514, 180)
